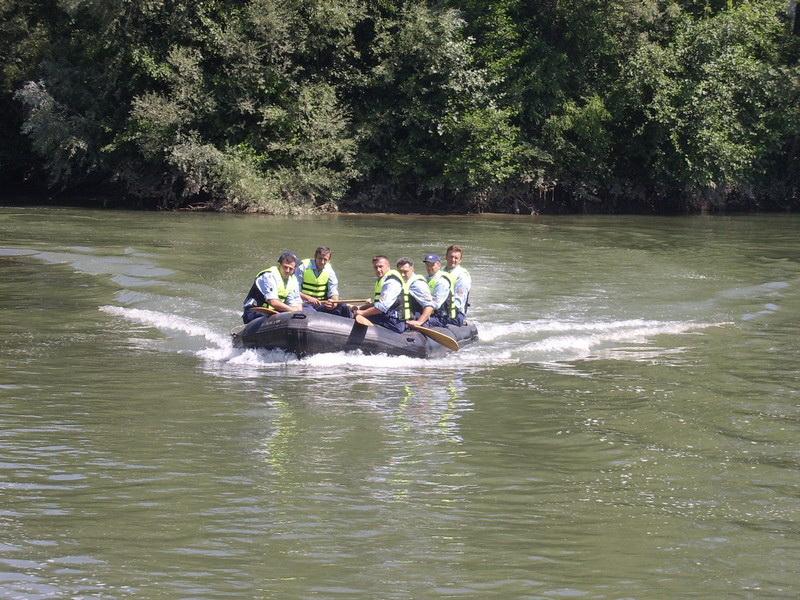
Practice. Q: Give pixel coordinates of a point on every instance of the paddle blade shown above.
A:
(362, 320)
(437, 336)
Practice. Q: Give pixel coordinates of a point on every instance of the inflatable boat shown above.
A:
(305, 333)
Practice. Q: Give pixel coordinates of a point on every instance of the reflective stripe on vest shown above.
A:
(313, 285)
(283, 288)
(379, 284)
(407, 296)
(448, 307)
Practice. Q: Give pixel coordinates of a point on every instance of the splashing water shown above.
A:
(535, 341)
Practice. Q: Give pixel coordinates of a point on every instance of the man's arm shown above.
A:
(422, 294)
(332, 291)
(441, 292)
(391, 290)
(280, 306)
(461, 291)
(423, 317)
(309, 299)
(293, 301)
(270, 291)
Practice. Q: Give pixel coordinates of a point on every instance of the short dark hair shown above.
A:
(405, 261)
(454, 248)
(380, 257)
(322, 250)
(287, 256)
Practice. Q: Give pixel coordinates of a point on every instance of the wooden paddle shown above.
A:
(362, 320)
(264, 310)
(360, 301)
(437, 336)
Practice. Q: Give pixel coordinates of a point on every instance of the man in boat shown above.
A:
(463, 282)
(392, 302)
(319, 286)
(275, 287)
(442, 285)
(417, 300)
(388, 288)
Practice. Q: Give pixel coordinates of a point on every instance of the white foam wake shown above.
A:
(599, 336)
(543, 341)
(169, 322)
(221, 349)
(489, 333)
(493, 332)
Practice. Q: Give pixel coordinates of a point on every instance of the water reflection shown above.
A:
(423, 410)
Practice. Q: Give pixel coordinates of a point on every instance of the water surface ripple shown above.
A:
(626, 427)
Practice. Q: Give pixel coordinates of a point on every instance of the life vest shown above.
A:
(448, 307)
(408, 300)
(379, 284)
(458, 273)
(313, 285)
(283, 288)
(395, 309)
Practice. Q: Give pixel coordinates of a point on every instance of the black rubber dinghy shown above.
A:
(305, 333)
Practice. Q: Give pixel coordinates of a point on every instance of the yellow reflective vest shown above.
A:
(313, 285)
(407, 314)
(448, 306)
(382, 280)
(283, 288)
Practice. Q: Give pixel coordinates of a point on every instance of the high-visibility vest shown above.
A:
(458, 273)
(448, 307)
(379, 284)
(407, 314)
(313, 285)
(284, 289)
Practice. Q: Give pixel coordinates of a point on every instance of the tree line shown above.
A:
(297, 106)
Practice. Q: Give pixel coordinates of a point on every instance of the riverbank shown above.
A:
(551, 203)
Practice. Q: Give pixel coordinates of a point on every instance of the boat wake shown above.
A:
(166, 322)
(539, 341)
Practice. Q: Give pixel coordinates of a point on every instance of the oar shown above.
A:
(362, 320)
(437, 336)
(359, 301)
(264, 310)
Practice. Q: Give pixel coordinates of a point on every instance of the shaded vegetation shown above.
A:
(297, 106)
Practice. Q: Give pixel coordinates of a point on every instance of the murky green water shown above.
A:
(627, 427)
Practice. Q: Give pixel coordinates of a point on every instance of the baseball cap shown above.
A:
(431, 258)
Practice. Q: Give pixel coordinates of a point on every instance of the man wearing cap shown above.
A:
(275, 287)
(463, 282)
(442, 285)
(319, 286)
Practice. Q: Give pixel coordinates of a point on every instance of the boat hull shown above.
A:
(306, 333)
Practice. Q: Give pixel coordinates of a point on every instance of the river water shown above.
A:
(628, 425)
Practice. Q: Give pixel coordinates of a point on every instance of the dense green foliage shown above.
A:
(290, 106)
